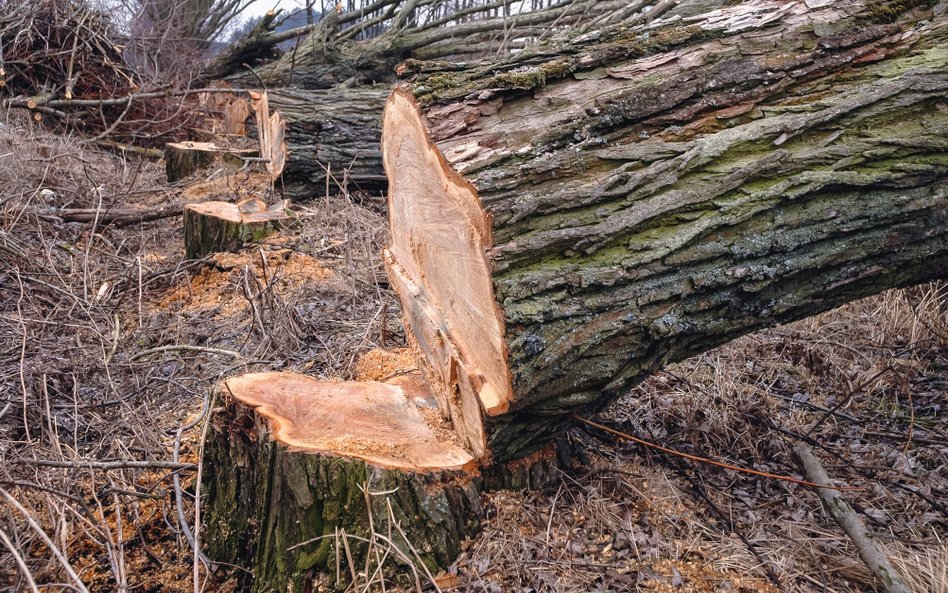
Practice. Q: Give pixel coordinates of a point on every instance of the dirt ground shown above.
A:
(110, 341)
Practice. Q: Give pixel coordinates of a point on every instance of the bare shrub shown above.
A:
(169, 39)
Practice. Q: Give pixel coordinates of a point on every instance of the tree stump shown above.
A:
(184, 158)
(221, 226)
(293, 465)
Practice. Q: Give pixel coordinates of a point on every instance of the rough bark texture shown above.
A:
(642, 197)
(329, 54)
(284, 484)
(259, 44)
(332, 136)
(220, 226)
(337, 128)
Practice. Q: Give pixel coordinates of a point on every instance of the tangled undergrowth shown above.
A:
(66, 65)
(109, 342)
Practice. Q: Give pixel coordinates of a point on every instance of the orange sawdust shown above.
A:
(381, 365)
(296, 268)
(355, 446)
(399, 363)
(688, 576)
(220, 284)
(153, 558)
(441, 427)
(208, 288)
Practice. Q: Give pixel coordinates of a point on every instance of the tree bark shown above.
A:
(334, 130)
(569, 220)
(333, 136)
(327, 56)
(257, 45)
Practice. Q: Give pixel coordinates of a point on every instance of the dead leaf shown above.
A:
(446, 580)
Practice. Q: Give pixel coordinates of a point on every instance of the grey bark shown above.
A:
(849, 521)
(332, 135)
(654, 196)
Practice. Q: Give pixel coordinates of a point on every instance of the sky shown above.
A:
(260, 7)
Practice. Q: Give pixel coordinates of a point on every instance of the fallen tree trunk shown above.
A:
(333, 51)
(332, 136)
(333, 130)
(568, 221)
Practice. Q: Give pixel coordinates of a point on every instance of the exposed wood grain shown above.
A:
(372, 421)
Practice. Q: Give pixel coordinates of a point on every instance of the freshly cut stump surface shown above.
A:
(375, 422)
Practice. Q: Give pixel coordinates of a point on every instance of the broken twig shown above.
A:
(849, 522)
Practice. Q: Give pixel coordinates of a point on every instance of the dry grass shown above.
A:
(925, 569)
(864, 385)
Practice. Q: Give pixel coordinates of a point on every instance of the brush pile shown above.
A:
(63, 49)
(63, 60)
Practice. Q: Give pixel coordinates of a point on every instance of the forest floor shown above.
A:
(110, 342)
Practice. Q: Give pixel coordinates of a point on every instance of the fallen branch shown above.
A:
(119, 216)
(151, 153)
(178, 491)
(106, 465)
(183, 348)
(849, 522)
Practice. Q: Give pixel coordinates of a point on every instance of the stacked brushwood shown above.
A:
(63, 61)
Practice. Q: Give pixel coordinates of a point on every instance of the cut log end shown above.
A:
(388, 425)
(438, 265)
